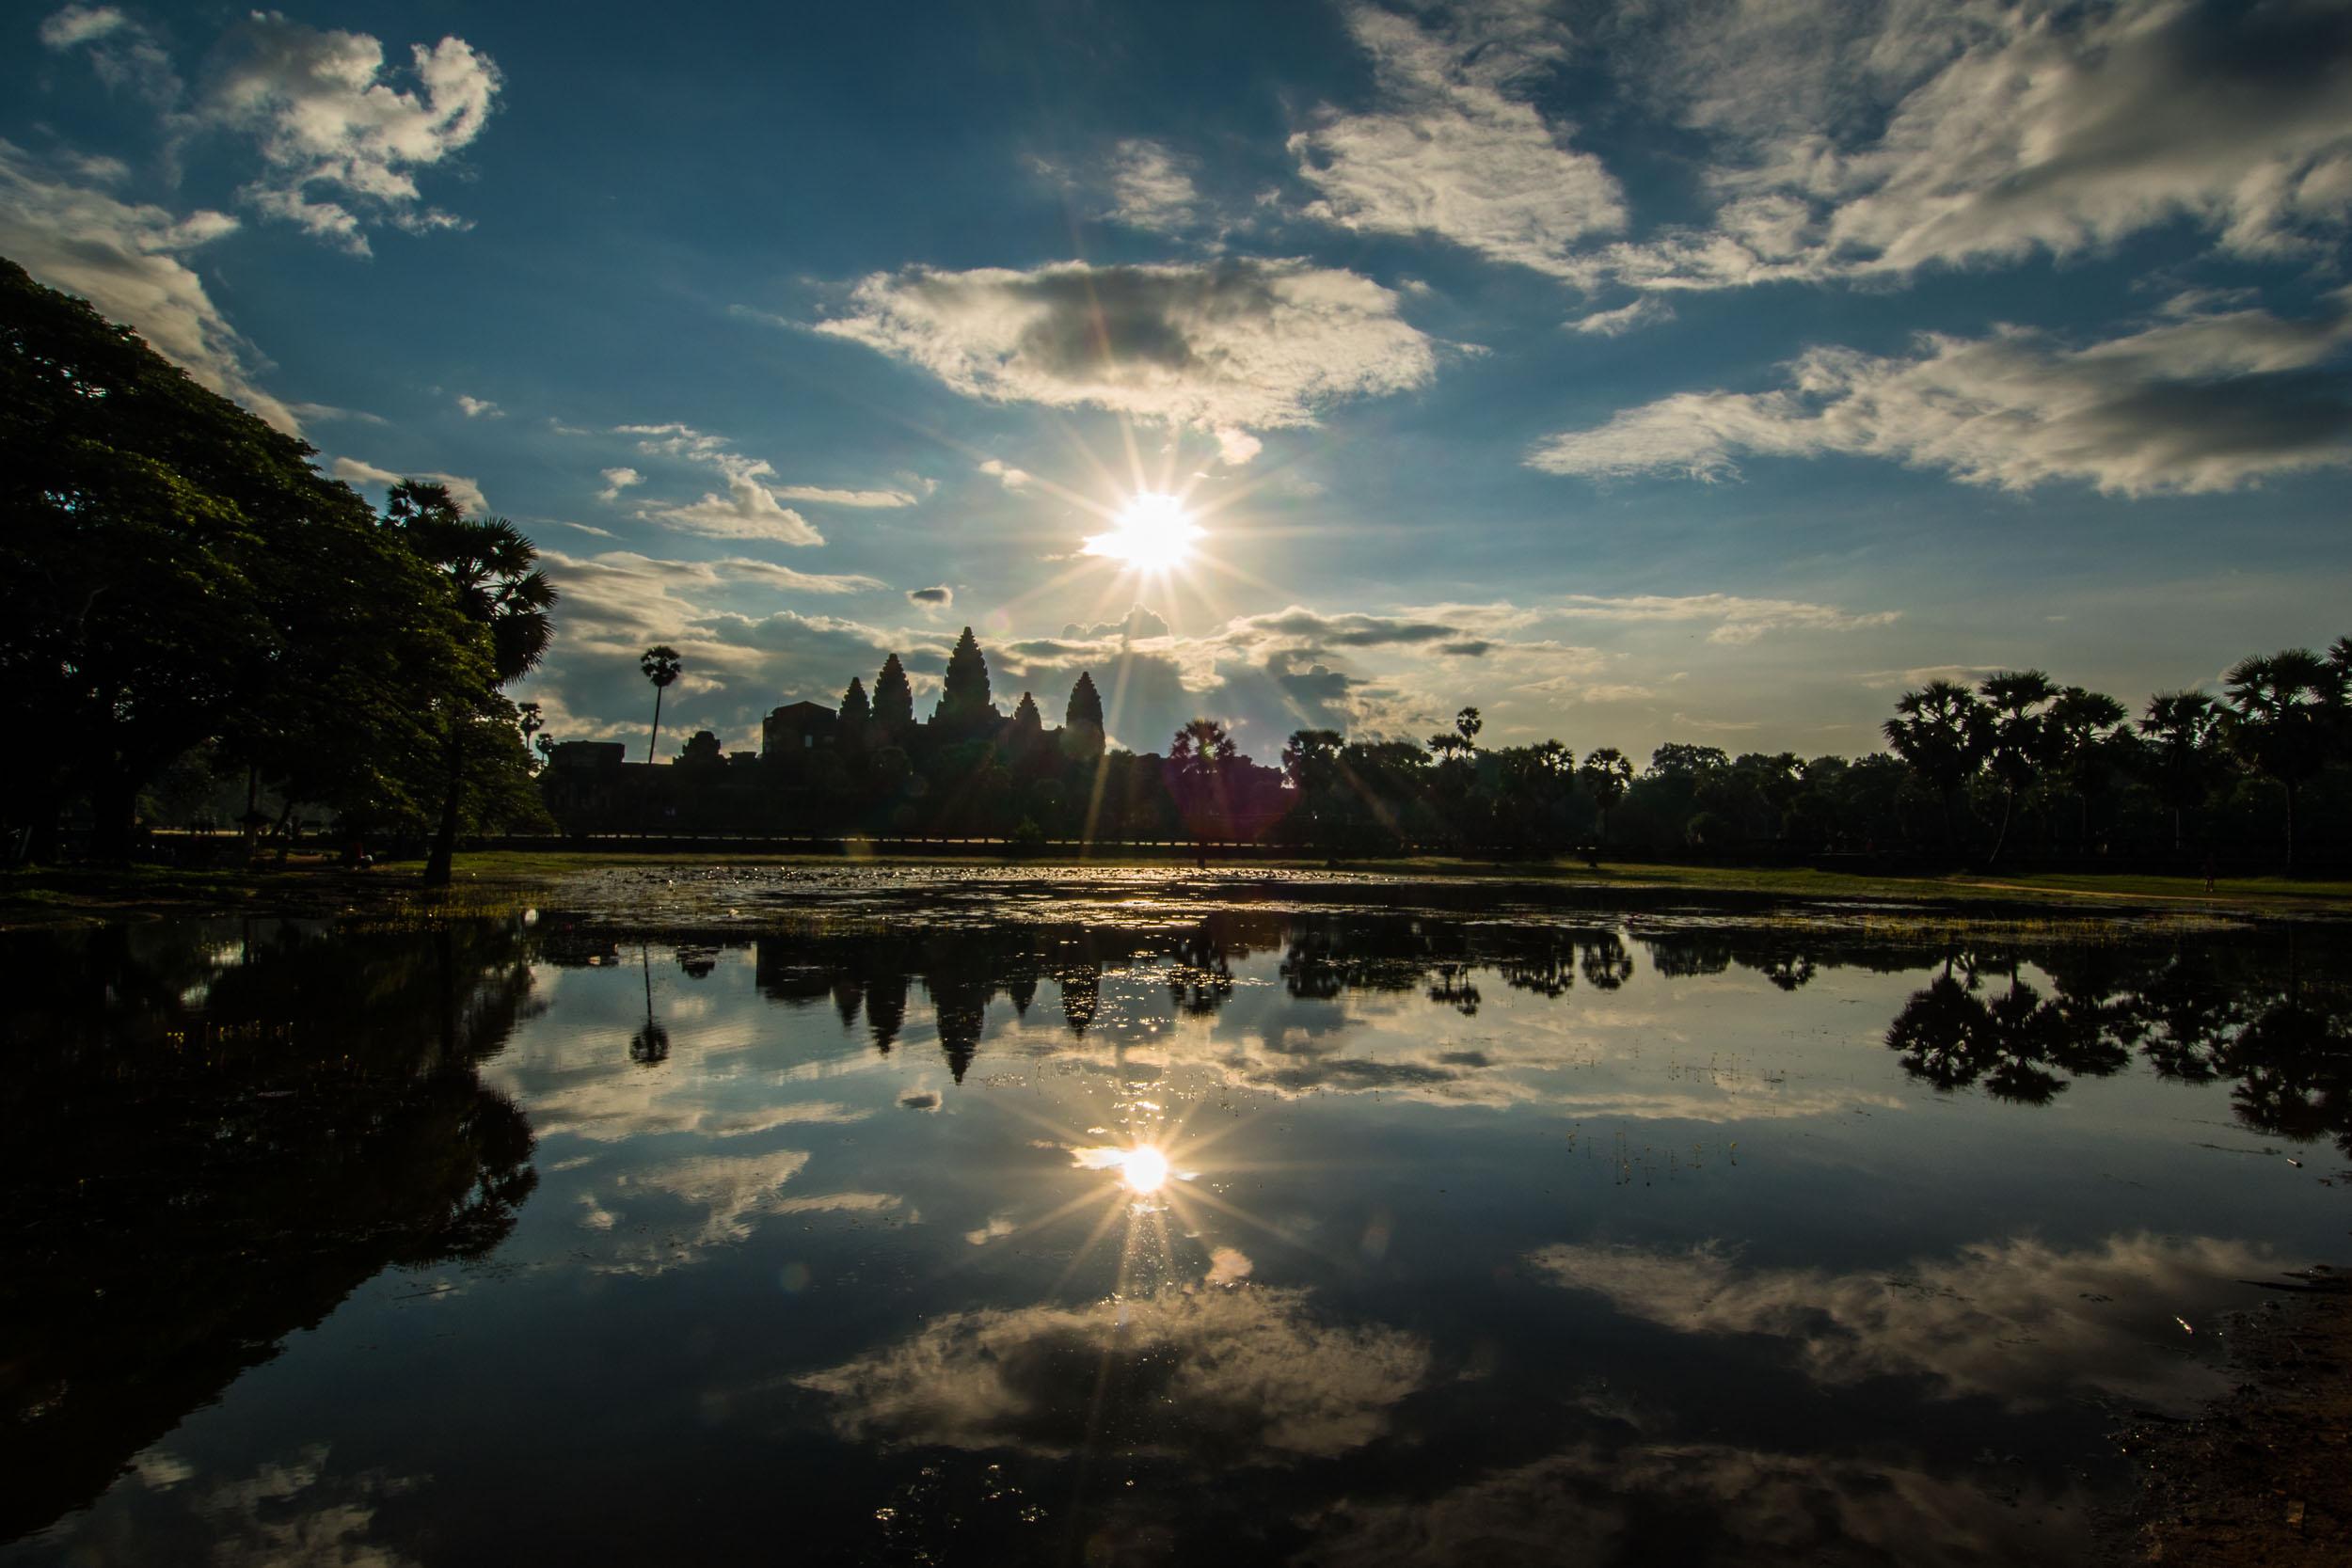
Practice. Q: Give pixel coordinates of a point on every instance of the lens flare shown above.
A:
(1151, 533)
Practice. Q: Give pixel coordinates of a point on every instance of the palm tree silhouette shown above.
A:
(2181, 756)
(1607, 774)
(2019, 736)
(661, 665)
(1944, 733)
(2284, 709)
(649, 1046)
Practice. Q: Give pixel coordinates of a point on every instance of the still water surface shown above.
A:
(1139, 1220)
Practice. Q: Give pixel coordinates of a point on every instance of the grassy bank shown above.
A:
(316, 886)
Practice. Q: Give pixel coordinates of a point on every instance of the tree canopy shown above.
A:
(175, 573)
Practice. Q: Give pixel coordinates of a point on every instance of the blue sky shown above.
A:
(1706, 371)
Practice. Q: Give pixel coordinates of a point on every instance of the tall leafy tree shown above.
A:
(660, 665)
(2182, 756)
(894, 698)
(2286, 710)
(1199, 761)
(173, 571)
(1944, 734)
(493, 574)
(2017, 737)
(1606, 775)
(963, 693)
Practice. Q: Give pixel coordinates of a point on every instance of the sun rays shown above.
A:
(1152, 534)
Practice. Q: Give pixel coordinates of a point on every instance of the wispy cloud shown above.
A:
(1852, 140)
(1736, 619)
(2208, 402)
(1151, 189)
(464, 491)
(1452, 150)
(79, 24)
(129, 259)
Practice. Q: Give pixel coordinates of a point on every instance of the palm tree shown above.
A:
(2284, 711)
(492, 570)
(1197, 760)
(2019, 736)
(1944, 733)
(1606, 775)
(661, 665)
(2088, 734)
(2180, 755)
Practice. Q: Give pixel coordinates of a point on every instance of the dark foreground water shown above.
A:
(1468, 1226)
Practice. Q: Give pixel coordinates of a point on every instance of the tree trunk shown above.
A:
(2290, 783)
(114, 806)
(436, 866)
(2009, 801)
(654, 739)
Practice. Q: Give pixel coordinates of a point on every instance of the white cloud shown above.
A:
(2207, 403)
(823, 497)
(476, 407)
(1012, 478)
(1853, 140)
(126, 259)
(464, 491)
(1247, 344)
(1150, 190)
(326, 412)
(1236, 447)
(1738, 620)
(327, 121)
(616, 481)
(79, 24)
(1450, 152)
(1626, 318)
(749, 510)
(633, 592)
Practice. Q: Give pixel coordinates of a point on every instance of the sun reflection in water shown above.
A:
(1143, 1170)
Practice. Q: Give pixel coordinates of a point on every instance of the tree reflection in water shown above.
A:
(207, 1144)
(2230, 1008)
(2198, 1015)
(226, 1137)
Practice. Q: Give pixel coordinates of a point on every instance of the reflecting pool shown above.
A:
(1131, 1219)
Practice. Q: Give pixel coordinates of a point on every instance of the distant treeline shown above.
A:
(2018, 764)
(190, 606)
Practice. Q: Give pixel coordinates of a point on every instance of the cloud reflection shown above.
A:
(1237, 1375)
(2019, 1321)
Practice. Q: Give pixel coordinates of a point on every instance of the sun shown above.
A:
(1152, 532)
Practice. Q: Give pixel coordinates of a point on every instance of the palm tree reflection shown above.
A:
(649, 1046)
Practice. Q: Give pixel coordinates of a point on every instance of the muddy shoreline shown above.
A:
(2262, 1478)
